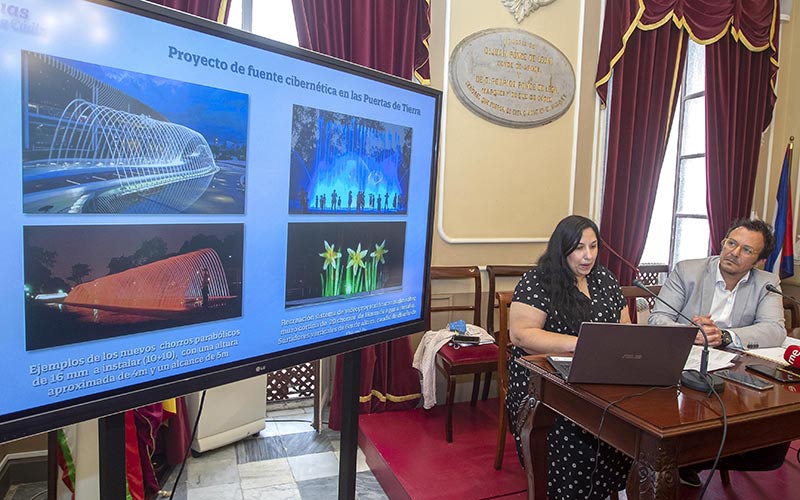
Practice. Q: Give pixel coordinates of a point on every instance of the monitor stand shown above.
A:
(351, 387)
(111, 444)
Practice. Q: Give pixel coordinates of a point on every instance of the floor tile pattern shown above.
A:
(288, 460)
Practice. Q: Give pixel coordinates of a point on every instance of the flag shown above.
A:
(781, 260)
(65, 455)
(76, 481)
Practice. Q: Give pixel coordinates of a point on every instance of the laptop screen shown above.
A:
(614, 353)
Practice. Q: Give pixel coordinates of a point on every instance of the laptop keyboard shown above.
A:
(561, 365)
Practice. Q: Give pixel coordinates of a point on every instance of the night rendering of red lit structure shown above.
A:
(169, 287)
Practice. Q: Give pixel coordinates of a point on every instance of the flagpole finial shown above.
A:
(791, 138)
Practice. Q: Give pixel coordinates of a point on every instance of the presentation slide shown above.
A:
(177, 201)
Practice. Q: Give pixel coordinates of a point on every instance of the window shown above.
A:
(273, 19)
(679, 225)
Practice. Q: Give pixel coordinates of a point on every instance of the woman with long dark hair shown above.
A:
(565, 289)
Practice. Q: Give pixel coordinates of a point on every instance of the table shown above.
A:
(661, 430)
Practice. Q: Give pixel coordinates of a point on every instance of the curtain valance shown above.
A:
(753, 23)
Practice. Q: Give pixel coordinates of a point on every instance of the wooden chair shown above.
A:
(793, 327)
(503, 345)
(494, 272)
(653, 274)
(501, 335)
(475, 360)
(632, 293)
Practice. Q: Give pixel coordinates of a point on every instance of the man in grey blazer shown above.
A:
(727, 296)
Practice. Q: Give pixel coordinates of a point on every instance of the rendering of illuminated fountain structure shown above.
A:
(135, 164)
(104, 158)
(166, 288)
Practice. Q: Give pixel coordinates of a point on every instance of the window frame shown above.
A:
(676, 133)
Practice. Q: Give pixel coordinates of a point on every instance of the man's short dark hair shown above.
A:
(757, 226)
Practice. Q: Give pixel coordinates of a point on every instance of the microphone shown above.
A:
(792, 356)
(772, 288)
(702, 381)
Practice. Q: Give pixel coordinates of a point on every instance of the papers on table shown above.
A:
(774, 354)
(717, 359)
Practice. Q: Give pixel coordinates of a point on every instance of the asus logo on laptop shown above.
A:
(632, 356)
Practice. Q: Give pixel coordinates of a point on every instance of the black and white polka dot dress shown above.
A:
(572, 452)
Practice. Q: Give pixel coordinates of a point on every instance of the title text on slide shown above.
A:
(288, 79)
(81, 373)
(18, 19)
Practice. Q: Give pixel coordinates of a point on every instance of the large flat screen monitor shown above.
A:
(184, 205)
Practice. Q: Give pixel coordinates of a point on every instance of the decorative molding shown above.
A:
(23, 467)
(654, 469)
(521, 8)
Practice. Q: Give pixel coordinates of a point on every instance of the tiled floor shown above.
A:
(287, 461)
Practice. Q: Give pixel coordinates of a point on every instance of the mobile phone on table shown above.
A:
(772, 372)
(789, 369)
(745, 379)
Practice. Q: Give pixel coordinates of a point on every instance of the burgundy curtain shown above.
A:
(390, 36)
(739, 104)
(214, 10)
(644, 89)
(739, 93)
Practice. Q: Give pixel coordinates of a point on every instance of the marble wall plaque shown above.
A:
(512, 77)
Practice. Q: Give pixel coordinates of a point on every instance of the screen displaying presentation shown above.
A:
(186, 205)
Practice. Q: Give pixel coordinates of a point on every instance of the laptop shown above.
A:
(614, 353)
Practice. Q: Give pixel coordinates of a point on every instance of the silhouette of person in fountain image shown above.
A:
(205, 284)
(360, 201)
(303, 197)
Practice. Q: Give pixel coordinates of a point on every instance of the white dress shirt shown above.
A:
(722, 305)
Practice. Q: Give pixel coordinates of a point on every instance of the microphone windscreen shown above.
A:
(792, 355)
